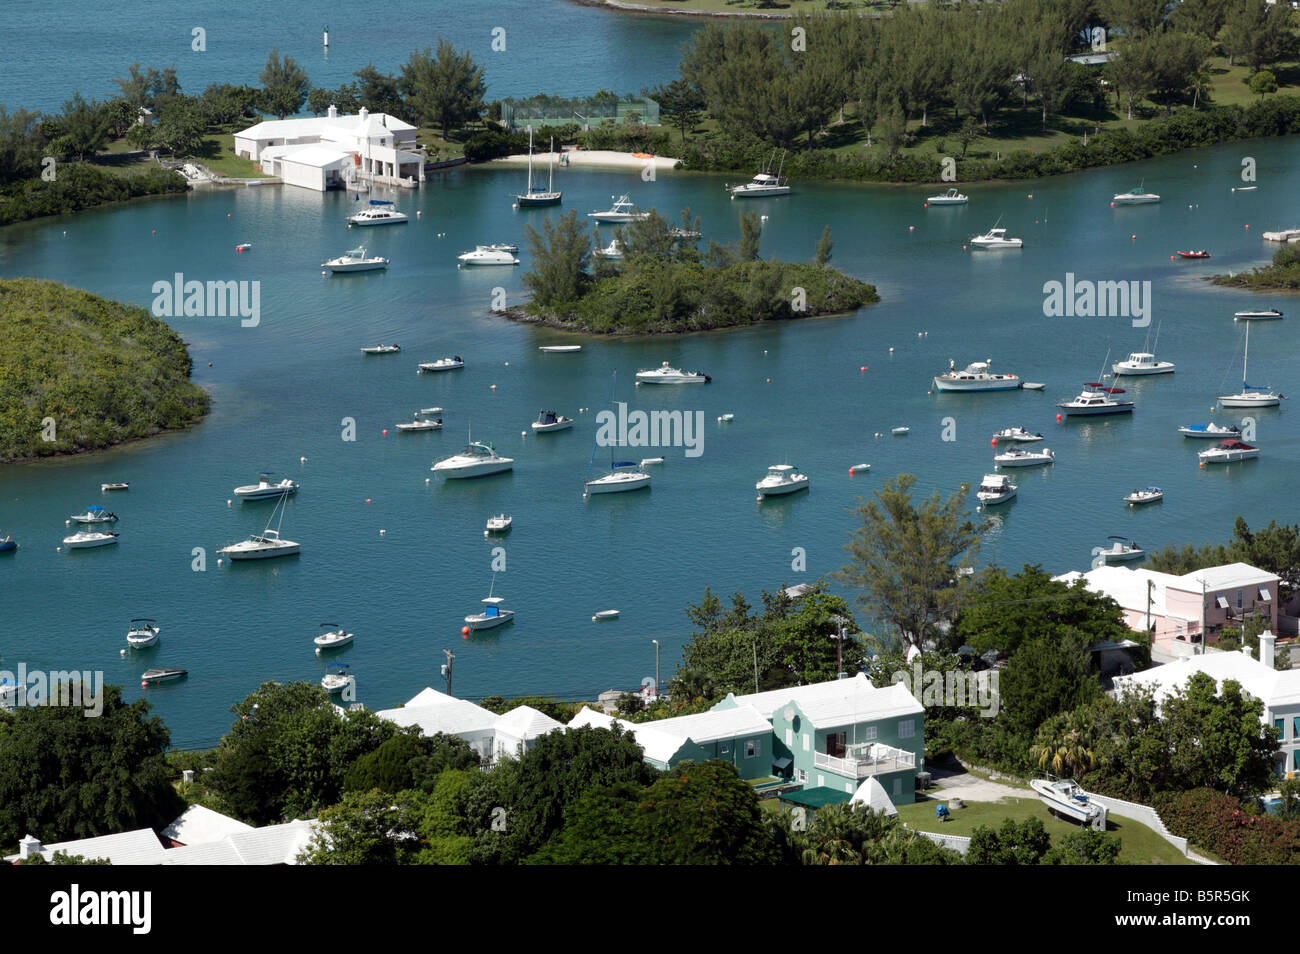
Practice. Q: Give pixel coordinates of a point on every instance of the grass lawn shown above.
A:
(777, 8)
(439, 148)
(1139, 844)
(218, 154)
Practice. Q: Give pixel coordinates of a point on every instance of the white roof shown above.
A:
(525, 722)
(838, 702)
(198, 825)
(139, 847)
(715, 725)
(1127, 586)
(1229, 576)
(434, 711)
(314, 155)
(654, 744)
(272, 845)
(376, 124)
(872, 794)
(1275, 689)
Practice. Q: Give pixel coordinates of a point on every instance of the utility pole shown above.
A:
(656, 642)
(840, 623)
(1150, 584)
(1202, 615)
(446, 669)
(756, 666)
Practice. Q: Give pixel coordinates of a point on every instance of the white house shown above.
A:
(435, 711)
(1279, 691)
(327, 152)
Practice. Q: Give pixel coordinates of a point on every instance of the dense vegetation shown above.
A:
(665, 285)
(104, 372)
(1233, 829)
(79, 186)
(1284, 273)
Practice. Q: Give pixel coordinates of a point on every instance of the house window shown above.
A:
(801, 776)
(1221, 601)
(726, 748)
(1239, 599)
(835, 744)
(789, 737)
(821, 781)
(1295, 727)
(898, 787)
(868, 733)
(1280, 725)
(907, 728)
(1263, 594)
(751, 748)
(806, 739)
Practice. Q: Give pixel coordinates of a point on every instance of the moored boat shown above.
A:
(501, 523)
(621, 211)
(478, 459)
(1017, 435)
(443, 364)
(1227, 452)
(664, 374)
(781, 479)
(1208, 431)
(604, 615)
(1024, 458)
(265, 489)
(332, 636)
(487, 255)
(418, 423)
(104, 488)
(493, 614)
(142, 632)
(1135, 196)
(88, 539)
(355, 260)
(976, 376)
(951, 197)
(995, 489)
(1268, 315)
(1121, 551)
(1144, 496)
(95, 514)
(163, 674)
(548, 421)
(381, 212)
(382, 349)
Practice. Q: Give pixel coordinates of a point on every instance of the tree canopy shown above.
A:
(284, 85)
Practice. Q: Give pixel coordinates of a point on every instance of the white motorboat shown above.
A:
(162, 674)
(995, 238)
(900, 431)
(1214, 431)
(1017, 435)
(104, 488)
(355, 260)
(1141, 362)
(267, 544)
(995, 489)
(443, 364)
(336, 680)
(142, 632)
(612, 251)
(501, 523)
(382, 349)
(493, 614)
(764, 184)
(604, 615)
(859, 469)
(488, 255)
(726, 418)
(647, 461)
(1269, 315)
(976, 376)
(95, 514)
(478, 459)
(1024, 458)
(1226, 452)
(548, 421)
(781, 479)
(418, 423)
(1121, 551)
(621, 211)
(1250, 395)
(90, 538)
(664, 374)
(559, 349)
(264, 489)
(1065, 797)
(1144, 496)
(381, 212)
(332, 636)
(536, 195)
(1135, 196)
(951, 197)
(1095, 400)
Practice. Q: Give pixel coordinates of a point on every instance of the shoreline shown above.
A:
(624, 7)
(518, 315)
(86, 451)
(590, 158)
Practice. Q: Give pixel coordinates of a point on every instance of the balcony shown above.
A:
(871, 759)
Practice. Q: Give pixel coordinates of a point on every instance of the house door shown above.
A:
(835, 744)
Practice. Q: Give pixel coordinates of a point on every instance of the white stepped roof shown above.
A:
(1275, 689)
(198, 825)
(655, 745)
(139, 847)
(525, 722)
(315, 156)
(713, 726)
(838, 702)
(376, 124)
(872, 794)
(272, 845)
(434, 711)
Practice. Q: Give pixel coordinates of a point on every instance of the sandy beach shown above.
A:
(593, 158)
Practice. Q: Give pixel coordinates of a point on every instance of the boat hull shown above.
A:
(1228, 457)
(370, 223)
(538, 199)
(261, 553)
(758, 192)
(489, 622)
(1209, 435)
(781, 490)
(1136, 199)
(356, 267)
(1124, 407)
(1120, 370)
(334, 643)
(472, 470)
(1024, 461)
(73, 544)
(942, 383)
(605, 485)
(539, 428)
(1236, 400)
(990, 499)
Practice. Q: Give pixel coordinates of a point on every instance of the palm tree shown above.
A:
(1063, 747)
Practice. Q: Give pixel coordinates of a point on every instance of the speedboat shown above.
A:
(267, 544)
(664, 374)
(781, 479)
(1228, 451)
(951, 197)
(617, 481)
(381, 212)
(264, 489)
(1257, 315)
(993, 239)
(443, 364)
(1121, 551)
(1190, 254)
(1024, 458)
(1141, 362)
(559, 349)
(142, 632)
(488, 255)
(1210, 431)
(1096, 399)
(104, 488)
(900, 431)
(95, 514)
(604, 615)
(621, 211)
(1017, 434)
(1065, 797)
(1144, 496)
(164, 674)
(612, 250)
(332, 636)
(976, 376)
(1135, 196)
(548, 421)
(501, 523)
(763, 184)
(493, 614)
(87, 539)
(355, 260)
(382, 349)
(995, 489)
(1250, 395)
(418, 423)
(336, 680)
(478, 459)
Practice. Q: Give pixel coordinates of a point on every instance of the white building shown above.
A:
(328, 152)
(488, 734)
(1279, 691)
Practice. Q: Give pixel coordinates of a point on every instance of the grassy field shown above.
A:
(1139, 844)
(218, 154)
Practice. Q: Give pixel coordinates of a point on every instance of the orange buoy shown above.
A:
(1058, 418)
(863, 368)
(1247, 226)
(1112, 205)
(1133, 237)
(1171, 258)
(464, 630)
(911, 228)
(925, 205)
(995, 442)
(1031, 195)
(385, 432)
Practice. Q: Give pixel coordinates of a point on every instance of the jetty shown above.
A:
(1285, 235)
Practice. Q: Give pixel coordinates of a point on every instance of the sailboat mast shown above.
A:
(550, 167)
(530, 160)
(1245, 360)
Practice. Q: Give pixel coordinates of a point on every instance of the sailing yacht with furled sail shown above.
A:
(1250, 395)
(536, 196)
(623, 474)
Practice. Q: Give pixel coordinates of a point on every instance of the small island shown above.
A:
(79, 372)
(1283, 274)
(652, 279)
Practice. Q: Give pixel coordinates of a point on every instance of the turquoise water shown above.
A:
(281, 391)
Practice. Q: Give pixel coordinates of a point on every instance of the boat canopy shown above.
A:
(1101, 387)
(1235, 445)
(95, 508)
(380, 202)
(623, 463)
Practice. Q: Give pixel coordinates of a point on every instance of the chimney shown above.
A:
(1245, 651)
(1267, 642)
(333, 112)
(29, 846)
(363, 114)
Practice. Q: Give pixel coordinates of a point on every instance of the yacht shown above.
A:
(612, 250)
(478, 459)
(1065, 797)
(493, 614)
(332, 636)
(142, 632)
(1145, 496)
(1096, 399)
(382, 349)
(1121, 551)
(617, 480)
(548, 421)
(1024, 458)
(995, 489)
(976, 376)
(501, 523)
(1141, 362)
(355, 260)
(664, 374)
(1225, 452)
(781, 479)
(264, 489)
(764, 183)
(8, 544)
(1268, 315)
(336, 680)
(443, 364)
(1135, 196)
(487, 255)
(90, 538)
(418, 423)
(994, 238)
(951, 197)
(267, 544)
(1250, 395)
(1017, 435)
(536, 196)
(381, 212)
(1214, 431)
(95, 514)
(621, 211)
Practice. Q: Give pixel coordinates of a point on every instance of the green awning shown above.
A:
(816, 797)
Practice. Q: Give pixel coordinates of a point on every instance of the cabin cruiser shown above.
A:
(976, 376)
(488, 255)
(763, 184)
(264, 489)
(478, 459)
(443, 364)
(1228, 451)
(261, 546)
(501, 523)
(1017, 435)
(1145, 496)
(381, 212)
(995, 489)
(105, 488)
(665, 374)
(1096, 399)
(995, 238)
(1065, 797)
(1024, 458)
(951, 197)
(781, 479)
(142, 632)
(1141, 362)
(548, 421)
(1135, 196)
(612, 250)
(1210, 431)
(355, 260)
(621, 211)
(87, 539)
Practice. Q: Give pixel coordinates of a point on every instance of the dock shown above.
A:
(1286, 235)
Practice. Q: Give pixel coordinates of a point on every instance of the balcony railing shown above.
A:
(876, 760)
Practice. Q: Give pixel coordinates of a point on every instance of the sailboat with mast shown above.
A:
(1250, 395)
(623, 474)
(536, 196)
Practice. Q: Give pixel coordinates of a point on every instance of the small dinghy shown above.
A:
(332, 636)
(336, 680)
(900, 431)
(1033, 385)
(859, 468)
(651, 460)
(724, 418)
(604, 615)
(559, 349)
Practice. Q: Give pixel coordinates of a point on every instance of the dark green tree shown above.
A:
(380, 93)
(1025, 843)
(560, 255)
(1087, 846)
(679, 102)
(446, 89)
(1046, 675)
(284, 85)
(751, 232)
(822, 256)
